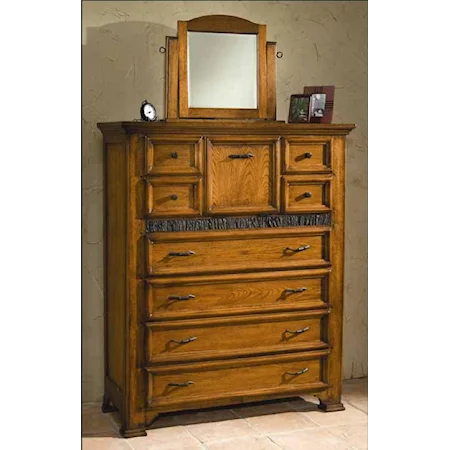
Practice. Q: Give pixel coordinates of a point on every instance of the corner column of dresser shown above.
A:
(330, 400)
(134, 420)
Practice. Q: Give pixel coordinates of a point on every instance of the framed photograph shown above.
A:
(317, 105)
(329, 102)
(299, 108)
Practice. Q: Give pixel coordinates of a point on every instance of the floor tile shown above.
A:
(328, 419)
(206, 432)
(97, 424)
(261, 409)
(355, 388)
(92, 408)
(92, 443)
(316, 439)
(246, 443)
(355, 434)
(282, 422)
(171, 438)
(359, 403)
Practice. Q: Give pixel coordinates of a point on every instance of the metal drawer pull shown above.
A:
(174, 197)
(298, 249)
(308, 155)
(297, 331)
(181, 297)
(302, 289)
(307, 194)
(188, 253)
(243, 156)
(186, 383)
(174, 155)
(184, 341)
(300, 372)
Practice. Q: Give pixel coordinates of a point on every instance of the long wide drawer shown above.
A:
(237, 250)
(209, 295)
(187, 340)
(192, 383)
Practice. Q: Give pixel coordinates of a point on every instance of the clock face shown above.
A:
(149, 111)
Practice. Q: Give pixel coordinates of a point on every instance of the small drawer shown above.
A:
(234, 379)
(237, 250)
(174, 156)
(202, 296)
(201, 339)
(176, 196)
(306, 194)
(303, 154)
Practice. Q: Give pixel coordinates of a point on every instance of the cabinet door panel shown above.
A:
(242, 175)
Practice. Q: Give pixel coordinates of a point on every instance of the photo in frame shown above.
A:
(329, 102)
(299, 108)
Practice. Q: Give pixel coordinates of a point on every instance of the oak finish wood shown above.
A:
(201, 339)
(222, 24)
(174, 155)
(306, 154)
(216, 295)
(209, 127)
(116, 215)
(209, 384)
(208, 252)
(271, 49)
(237, 276)
(306, 194)
(171, 78)
(242, 185)
(174, 196)
(330, 400)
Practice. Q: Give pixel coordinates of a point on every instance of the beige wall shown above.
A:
(323, 43)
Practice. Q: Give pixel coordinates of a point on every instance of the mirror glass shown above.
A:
(222, 70)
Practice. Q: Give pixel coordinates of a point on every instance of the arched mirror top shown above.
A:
(222, 67)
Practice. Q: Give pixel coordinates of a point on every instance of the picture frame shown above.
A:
(299, 108)
(329, 102)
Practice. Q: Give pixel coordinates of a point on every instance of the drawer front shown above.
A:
(238, 293)
(171, 155)
(304, 154)
(203, 252)
(242, 175)
(177, 196)
(289, 375)
(215, 338)
(306, 195)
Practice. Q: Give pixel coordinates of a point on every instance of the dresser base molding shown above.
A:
(331, 406)
(134, 432)
(152, 414)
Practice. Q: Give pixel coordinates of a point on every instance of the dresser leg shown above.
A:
(331, 405)
(107, 405)
(132, 432)
(150, 418)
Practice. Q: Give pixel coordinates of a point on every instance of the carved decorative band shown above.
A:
(233, 223)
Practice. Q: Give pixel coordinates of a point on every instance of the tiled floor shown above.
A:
(291, 424)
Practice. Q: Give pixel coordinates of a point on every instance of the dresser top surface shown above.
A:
(224, 127)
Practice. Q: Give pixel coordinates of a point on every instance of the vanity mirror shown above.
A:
(220, 67)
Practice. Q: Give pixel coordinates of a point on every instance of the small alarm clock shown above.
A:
(148, 112)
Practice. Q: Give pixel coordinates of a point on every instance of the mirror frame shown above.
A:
(221, 24)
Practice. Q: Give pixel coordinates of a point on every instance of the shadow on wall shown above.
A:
(121, 64)
(121, 67)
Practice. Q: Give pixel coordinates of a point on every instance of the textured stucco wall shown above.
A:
(323, 43)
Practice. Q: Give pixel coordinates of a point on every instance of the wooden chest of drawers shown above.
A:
(223, 264)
